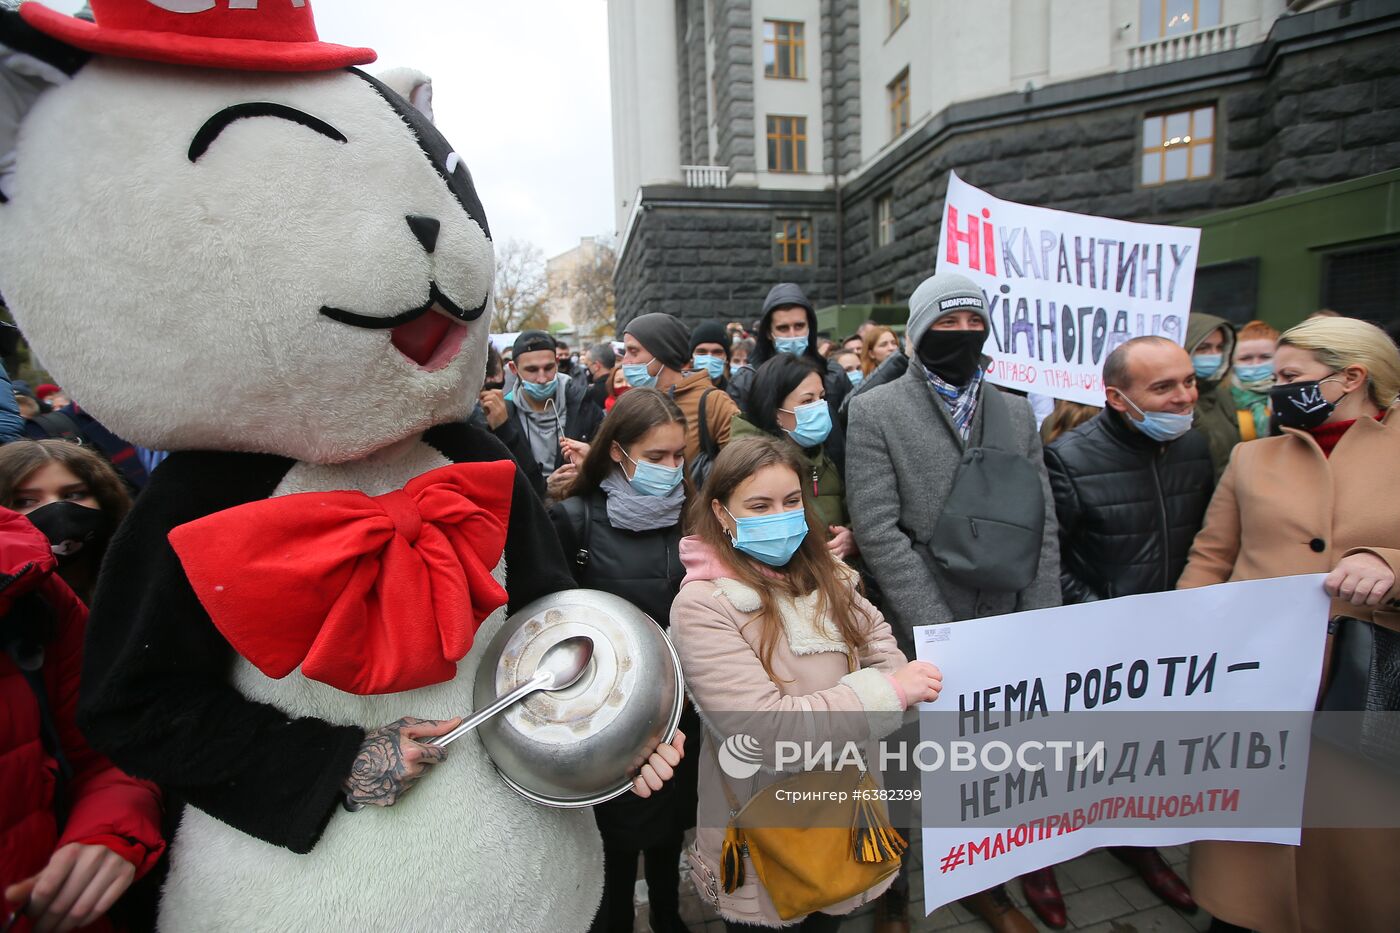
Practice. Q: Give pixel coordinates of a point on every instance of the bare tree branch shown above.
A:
(591, 287)
(520, 288)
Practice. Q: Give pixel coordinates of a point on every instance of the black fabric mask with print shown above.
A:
(1300, 405)
(72, 529)
(952, 355)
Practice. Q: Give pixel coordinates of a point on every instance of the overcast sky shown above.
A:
(521, 90)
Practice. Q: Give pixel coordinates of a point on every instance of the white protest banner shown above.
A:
(1167, 679)
(1063, 290)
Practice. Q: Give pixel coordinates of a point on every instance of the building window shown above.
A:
(1162, 19)
(784, 50)
(884, 220)
(1178, 146)
(1228, 289)
(787, 144)
(899, 12)
(884, 297)
(898, 91)
(1363, 283)
(792, 242)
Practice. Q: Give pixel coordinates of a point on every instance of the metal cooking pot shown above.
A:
(580, 746)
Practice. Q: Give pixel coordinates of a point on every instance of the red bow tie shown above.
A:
(367, 594)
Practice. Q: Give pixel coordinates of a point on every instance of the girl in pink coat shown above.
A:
(774, 636)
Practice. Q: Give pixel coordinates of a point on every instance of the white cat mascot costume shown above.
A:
(226, 242)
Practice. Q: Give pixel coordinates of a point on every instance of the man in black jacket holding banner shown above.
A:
(1131, 488)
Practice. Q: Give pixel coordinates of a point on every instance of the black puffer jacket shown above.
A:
(1128, 507)
(643, 567)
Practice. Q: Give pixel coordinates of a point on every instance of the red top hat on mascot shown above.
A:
(249, 35)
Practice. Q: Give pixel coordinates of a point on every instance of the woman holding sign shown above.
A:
(776, 641)
(1322, 497)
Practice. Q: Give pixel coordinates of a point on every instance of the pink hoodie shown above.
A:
(701, 562)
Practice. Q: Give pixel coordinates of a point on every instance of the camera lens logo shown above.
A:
(740, 756)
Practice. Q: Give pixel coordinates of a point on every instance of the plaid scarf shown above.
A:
(961, 400)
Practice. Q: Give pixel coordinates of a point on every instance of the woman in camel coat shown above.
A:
(1322, 497)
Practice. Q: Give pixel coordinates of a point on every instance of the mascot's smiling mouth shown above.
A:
(429, 335)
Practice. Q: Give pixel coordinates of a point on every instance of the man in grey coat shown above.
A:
(907, 438)
(905, 442)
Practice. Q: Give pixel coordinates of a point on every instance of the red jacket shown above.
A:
(105, 806)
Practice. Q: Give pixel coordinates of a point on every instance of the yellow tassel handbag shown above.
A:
(833, 843)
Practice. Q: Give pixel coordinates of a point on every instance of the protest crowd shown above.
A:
(790, 505)
(806, 484)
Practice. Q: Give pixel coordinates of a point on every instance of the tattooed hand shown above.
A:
(391, 761)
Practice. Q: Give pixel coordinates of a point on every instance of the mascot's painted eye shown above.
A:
(453, 160)
(220, 121)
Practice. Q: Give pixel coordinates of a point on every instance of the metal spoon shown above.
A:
(561, 666)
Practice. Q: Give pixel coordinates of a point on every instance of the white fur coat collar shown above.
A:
(808, 632)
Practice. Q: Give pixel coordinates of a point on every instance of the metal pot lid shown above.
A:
(579, 746)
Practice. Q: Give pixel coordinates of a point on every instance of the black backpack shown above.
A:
(700, 465)
(990, 532)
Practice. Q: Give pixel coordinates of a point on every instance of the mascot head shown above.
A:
(220, 236)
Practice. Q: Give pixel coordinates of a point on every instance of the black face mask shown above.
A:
(72, 529)
(566, 365)
(1301, 405)
(952, 355)
(491, 385)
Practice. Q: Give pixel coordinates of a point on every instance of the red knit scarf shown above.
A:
(1329, 434)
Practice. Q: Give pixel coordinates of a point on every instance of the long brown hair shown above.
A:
(18, 459)
(635, 413)
(812, 568)
(867, 349)
(1065, 417)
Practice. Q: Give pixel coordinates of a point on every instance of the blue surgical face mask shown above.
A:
(1258, 378)
(794, 345)
(1207, 364)
(539, 391)
(638, 375)
(813, 423)
(714, 365)
(856, 377)
(653, 479)
(1161, 426)
(773, 538)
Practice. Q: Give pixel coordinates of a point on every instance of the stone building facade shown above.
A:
(1308, 98)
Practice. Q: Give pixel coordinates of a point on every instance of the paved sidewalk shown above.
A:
(1101, 893)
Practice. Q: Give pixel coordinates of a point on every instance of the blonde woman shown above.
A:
(1322, 497)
